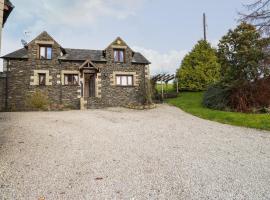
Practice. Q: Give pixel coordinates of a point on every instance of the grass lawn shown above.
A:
(167, 89)
(191, 102)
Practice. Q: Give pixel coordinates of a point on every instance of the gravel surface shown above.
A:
(117, 153)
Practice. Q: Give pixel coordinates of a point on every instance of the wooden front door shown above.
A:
(90, 85)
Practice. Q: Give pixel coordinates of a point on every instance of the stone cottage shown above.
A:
(77, 78)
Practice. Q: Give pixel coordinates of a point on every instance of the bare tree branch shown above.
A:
(258, 14)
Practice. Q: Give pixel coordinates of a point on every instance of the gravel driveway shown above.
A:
(117, 153)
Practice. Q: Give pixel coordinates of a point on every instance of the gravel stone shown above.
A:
(117, 153)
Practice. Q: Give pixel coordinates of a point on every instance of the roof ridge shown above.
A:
(85, 49)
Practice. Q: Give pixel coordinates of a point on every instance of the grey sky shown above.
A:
(163, 30)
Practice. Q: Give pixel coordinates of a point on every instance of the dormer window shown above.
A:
(45, 52)
(119, 55)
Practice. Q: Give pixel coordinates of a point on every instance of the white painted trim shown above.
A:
(34, 79)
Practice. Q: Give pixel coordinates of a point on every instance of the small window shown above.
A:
(124, 80)
(45, 52)
(71, 79)
(42, 79)
(119, 55)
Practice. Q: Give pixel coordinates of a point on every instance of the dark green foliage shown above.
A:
(244, 86)
(242, 55)
(199, 68)
(217, 97)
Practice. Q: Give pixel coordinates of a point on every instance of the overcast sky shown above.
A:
(163, 30)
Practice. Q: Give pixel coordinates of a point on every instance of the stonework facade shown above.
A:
(75, 78)
(2, 91)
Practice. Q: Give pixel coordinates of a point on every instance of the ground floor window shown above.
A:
(71, 79)
(42, 79)
(124, 80)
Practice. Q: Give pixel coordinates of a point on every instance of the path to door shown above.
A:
(125, 154)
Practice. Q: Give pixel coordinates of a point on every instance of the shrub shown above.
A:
(171, 95)
(199, 68)
(154, 91)
(217, 97)
(250, 97)
(37, 101)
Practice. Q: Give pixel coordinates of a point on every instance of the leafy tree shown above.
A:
(242, 54)
(199, 68)
(244, 86)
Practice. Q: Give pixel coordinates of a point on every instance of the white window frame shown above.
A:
(117, 56)
(124, 80)
(66, 79)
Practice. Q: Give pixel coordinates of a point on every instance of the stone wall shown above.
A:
(2, 91)
(20, 81)
(115, 95)
(22, 77)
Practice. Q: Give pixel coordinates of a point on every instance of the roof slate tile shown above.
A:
(78, 55)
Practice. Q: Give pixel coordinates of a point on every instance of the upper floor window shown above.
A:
(45, 52)
(119, 55)
(71, 79)
(42, 79)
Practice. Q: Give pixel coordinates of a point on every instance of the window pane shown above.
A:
(118, 80)
(76, 79)
(42, 79)
(49, 53)
(116, 56)
(69, 79)
(42, 52)
(66, 80)
(130, 80)
(121, 56)
(124, 80)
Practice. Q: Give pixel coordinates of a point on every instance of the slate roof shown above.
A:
(19, 54)
(83, 54)
(139, 58)
(78, 55)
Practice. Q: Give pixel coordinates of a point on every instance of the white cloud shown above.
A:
(77, 14)
(73, 13)
(162, 62)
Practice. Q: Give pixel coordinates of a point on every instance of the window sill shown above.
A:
(71, 85)
(125, 86)
(44, 59)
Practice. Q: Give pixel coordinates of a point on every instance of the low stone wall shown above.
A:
(2, 91)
